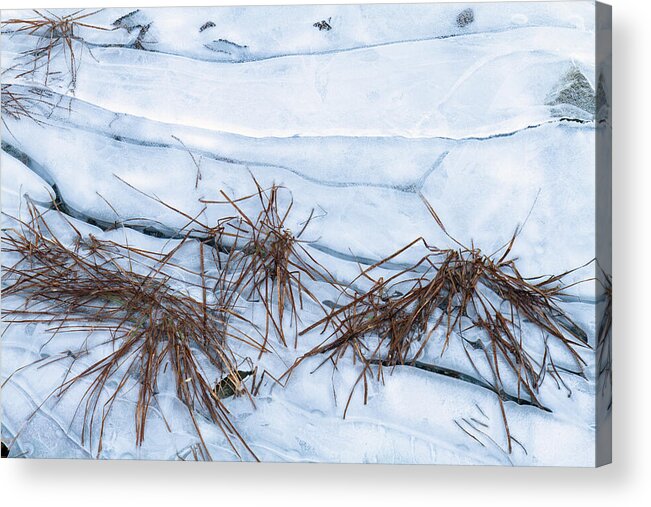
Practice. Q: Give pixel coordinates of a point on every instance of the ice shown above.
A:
(19, 183)
(488, 118)
(178, 31)
(500, 74)
(489, 172)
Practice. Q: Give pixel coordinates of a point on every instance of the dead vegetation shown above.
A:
(16, 103)
(267, 262)
(21, 102)
(451, 293)
(262, 260)
(93, 285)
(457, 294)
(452, 296)
(55, 35)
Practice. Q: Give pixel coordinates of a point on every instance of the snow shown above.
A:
(356, 123)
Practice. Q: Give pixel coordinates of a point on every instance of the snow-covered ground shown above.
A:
(486, 110)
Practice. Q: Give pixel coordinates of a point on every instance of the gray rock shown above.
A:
(573, 89)
(206, 25)
(465, 17)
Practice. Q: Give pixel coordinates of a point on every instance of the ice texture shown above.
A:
(486, 110)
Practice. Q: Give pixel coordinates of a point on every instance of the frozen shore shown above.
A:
(489, 121)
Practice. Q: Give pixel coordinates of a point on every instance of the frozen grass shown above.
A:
(268, 263)
(450, 292)
(451, 297)
(91, 286)
(264, 261)
(19, 104)
(56, 35)
(456, 290)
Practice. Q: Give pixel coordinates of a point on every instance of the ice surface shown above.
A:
(411, 89)
(444, 171)
(178, 31)
(356, 123)
(20, 183)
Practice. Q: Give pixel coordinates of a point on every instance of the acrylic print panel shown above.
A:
(354, 233)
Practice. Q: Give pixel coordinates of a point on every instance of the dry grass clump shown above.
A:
(456, 291)
(267, 262)
(91, 286)
(261, 260)
(56, 35)
(15, 103)
(19, 102)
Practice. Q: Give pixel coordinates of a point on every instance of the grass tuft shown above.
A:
(499, 316)
(267, 262)
(19, 102)
(56, 35)
(94, 285)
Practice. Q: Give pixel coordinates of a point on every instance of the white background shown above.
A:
(626, 482)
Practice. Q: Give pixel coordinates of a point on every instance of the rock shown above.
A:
(232, 384)
(206, 25)
(465, 17)
(573, 89)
